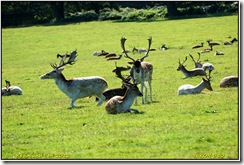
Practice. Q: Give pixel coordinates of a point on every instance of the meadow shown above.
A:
(40, 124)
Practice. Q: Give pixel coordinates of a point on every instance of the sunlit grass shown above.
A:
(40, 124)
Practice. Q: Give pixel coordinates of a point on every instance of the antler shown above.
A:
(118, 71)
(71, 60)
(192, 58)
(198, 57)
(208, 77)
(122, 42)
(149, 46)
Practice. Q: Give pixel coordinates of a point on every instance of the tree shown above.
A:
(58, 10)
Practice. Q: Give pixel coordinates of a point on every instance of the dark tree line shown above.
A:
(37, 12)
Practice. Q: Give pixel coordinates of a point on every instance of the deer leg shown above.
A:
(101, 99)
(150, 88)
(142, 85)
(72, 102)
(135, 110)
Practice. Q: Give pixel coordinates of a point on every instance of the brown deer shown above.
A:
(77, 87)
(115, 58)
(197, 46)
(190, 73)
(230, 42)
(212, 43)
(122, 104)
(141, 71)
(109, 93)
(230, 81)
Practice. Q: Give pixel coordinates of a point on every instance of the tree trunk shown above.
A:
(172, 9)
(58, 10)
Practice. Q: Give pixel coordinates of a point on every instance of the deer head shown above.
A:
(181, 64)
(57, 68)
(136, 63)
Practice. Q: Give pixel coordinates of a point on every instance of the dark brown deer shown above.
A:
(141, 71)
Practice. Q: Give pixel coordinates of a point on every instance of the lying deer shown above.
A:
(205, 66)
(141, 71)
(122, 104)
(230, 81)
(109, 93)
(230, 42)
(11, 90)
(140, 50)
(115, 58)
(190, 73)
(197, 46)
(77, 87)
(212, 43)
(190, 89)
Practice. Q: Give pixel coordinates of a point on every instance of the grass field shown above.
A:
(40, 124)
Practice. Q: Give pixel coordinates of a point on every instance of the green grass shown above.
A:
(40, 125)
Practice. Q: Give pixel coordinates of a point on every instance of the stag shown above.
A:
(77, 87)
(190, 73)
(141, 71)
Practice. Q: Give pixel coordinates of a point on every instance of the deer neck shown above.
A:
(129, 98)
(199, 88)
(62, 83)
(185, 71)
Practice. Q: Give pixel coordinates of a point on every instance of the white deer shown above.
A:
(11, 90)
(141, 72)
(190, 89)
(77, 87)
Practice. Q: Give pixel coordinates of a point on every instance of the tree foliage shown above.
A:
(38, 12)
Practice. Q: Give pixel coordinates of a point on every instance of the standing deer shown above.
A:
(122, 104)
(77, 87)
(190, 89)
(141, 71)
(190, 73)
(11, 90)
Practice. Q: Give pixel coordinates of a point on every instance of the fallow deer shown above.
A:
(230, 42)
(230, 81)
(197, 63)
(115, 58)
(190, 89)
(77, 87)
(197, 46)
(141, 71)
(212, 43)
(207, 50)
(190, 73)
(205, 66)
(11, 90)
(109, 93)
(217, 53)
(164, 47)
(140, 50)
(122, 104)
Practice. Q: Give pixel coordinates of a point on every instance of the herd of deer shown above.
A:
(120, 100)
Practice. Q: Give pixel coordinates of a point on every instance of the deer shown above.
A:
(140, 50)
(207, 50)
(109, 93)
(190, 89)
(197, 63)
(11, 90)
(141, 71)
(76, 88)
(110, 55)
(217, 53)
(115, 58)
(229, 81)
(212, 43)
(164, 47)
(230, 42)
(190, 73)
(197, 46)
(122, 104)
(205, 66)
